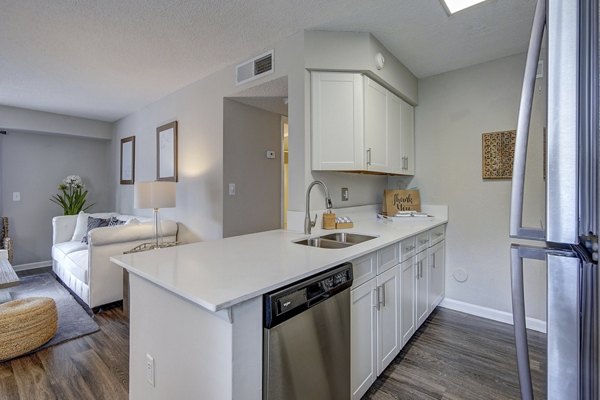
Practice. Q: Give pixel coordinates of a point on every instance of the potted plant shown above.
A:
(73, 196)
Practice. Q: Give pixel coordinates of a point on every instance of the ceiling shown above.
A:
(106, 59)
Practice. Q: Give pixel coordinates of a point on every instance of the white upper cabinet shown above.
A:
(337, 121)
(376, 126)
(408, 138)
(359, 125)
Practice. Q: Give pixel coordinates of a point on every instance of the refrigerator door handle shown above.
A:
(522, 137)
(517, 253)
(563, 321)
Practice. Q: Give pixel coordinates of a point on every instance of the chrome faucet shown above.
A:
(308, 223)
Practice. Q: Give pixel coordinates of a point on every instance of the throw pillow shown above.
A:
(80, 227)
(114, 221)
(95, 223)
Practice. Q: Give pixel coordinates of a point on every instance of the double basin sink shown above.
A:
(338, 240)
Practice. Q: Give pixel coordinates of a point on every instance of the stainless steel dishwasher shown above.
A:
(307, 338)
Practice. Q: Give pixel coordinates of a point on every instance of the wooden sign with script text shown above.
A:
(401, 200)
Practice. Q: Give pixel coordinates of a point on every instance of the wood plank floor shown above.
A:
(458, 356)
(453, 356)
(92, 367)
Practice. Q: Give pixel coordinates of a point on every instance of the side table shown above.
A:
(8, 276)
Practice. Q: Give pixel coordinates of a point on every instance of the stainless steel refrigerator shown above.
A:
(570, 233)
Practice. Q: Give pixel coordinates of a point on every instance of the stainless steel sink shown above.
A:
(337, 240)
(323, 243)
(345, 237)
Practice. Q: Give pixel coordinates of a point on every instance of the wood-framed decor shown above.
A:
(166, 152)
(127, 176)
(498, 154)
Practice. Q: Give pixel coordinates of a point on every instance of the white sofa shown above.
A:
(86, 268)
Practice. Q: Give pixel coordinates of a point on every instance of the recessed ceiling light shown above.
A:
(453, 6)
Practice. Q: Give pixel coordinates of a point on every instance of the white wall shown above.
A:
(13, 118)
(248, 132)
(455, 109)
(198, 108)
(34, 165)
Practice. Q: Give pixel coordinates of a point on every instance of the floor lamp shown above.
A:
(155, 195)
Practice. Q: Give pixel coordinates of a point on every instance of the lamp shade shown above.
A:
(157, 194)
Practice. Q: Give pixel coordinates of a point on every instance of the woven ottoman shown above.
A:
(25, 325)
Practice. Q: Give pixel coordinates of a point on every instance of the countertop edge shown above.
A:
(253, 294)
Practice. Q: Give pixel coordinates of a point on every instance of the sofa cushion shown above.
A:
(77, 264)
(81, 227)
(60, 250)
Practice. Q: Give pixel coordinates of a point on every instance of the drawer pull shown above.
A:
(423, 241)
(438, 234)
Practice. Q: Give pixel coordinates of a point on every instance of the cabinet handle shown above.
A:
(423, 241)
(438, 234)
(433, 261)
(404, 162)
(369, 156)
(421, 269)
(383, 295)
(378, 297)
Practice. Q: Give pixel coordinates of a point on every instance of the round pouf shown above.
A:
(25, 325)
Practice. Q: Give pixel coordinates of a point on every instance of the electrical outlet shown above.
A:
(232, 189)
(345, 195)
(16, 196)
(150, 369)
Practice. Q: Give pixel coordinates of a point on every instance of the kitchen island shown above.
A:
(196, 320)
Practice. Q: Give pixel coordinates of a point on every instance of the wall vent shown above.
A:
(254, 68)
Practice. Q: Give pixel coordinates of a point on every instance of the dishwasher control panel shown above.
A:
(291, 300)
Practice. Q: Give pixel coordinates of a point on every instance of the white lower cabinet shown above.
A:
(388, 317)
(408, 288)
(437, 274)
(363, 337)
(421, 272)
(390, 301)
(375, 328)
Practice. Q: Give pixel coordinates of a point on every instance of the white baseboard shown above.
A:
(39, 264)
(490, 313)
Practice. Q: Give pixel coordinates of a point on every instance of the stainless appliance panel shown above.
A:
(563, 327)
(562, 194)
(308, 356)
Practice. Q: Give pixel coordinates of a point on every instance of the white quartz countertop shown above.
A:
(221, 273)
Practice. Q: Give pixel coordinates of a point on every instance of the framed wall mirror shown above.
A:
(166, 152)
(127, 161)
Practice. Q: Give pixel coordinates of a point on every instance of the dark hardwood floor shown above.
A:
(453, 356)
(95, 366)
(460, 357)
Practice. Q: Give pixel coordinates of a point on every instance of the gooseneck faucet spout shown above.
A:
(308, 223)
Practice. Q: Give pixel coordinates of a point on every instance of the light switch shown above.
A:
(232, 189)
(16, 196)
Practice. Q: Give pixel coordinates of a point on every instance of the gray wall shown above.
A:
(34, 164)
(248, 132)
(455, 109)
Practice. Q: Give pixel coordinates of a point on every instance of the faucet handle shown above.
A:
(313, 223)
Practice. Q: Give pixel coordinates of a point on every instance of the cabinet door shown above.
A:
(375, 132)
(437, 274)
(337, 121)
(422, 271)
(363, 336)
(408, 138)
(397, 163)
(388, 325)
(407, 300)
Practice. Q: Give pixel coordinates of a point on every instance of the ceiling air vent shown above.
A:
(254, 68)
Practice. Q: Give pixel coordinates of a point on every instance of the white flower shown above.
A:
(74, 181)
